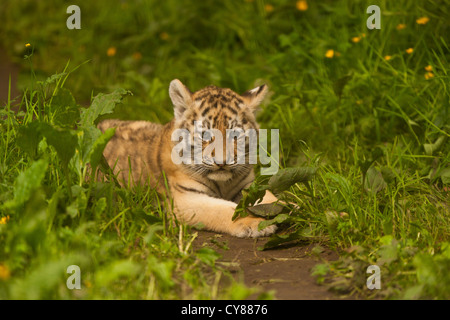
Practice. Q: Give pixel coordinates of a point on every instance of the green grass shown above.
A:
(376, 130)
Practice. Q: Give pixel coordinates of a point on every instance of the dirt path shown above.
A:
(285, 270)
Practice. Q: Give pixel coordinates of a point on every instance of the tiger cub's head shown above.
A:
(215, 123)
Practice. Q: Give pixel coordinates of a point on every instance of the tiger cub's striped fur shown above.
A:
(205, 193)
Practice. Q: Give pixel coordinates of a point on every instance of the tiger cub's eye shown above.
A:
(207, 135)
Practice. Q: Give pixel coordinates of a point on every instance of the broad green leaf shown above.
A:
(208, 256)
(278, 219)
(289, 176)
(374, 181)
(63, 140)
(64, 109)
(386, 240)
(414, 292)
(388, 253)
(27, 182)
(445, 176)
(44, 279)
(102, 104)
(89, 135)
(266, 210)
(28, 138)
(162, 270)
(239, 291)
(280, 239)
(116, 270)
(250, 196)
(98, 147)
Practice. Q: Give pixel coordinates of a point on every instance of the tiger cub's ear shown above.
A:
(181, 97)
(254, 97)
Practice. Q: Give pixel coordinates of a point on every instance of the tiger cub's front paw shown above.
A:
(248, 228)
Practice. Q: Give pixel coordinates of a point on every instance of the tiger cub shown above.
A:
(203, 193)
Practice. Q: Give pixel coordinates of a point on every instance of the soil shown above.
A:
(287, 270)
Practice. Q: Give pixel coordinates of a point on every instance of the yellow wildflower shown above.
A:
(409, 50)
(329, 54)
(111, 52)
(164, 36)
(28, 45)
(302, 5)
(400, 26)
(423, 20)
(137, 56)
(4, 220)
(356, 39)
(429, 75)
(429, 68)
(387, 58)
(268, 7)
(4, 272)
